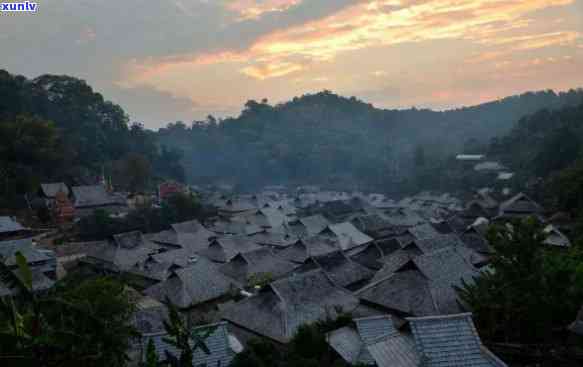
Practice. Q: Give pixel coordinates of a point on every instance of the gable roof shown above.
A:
(347, 236)
(25, 246)
(217, 342)
(302, 249)
(374, 341)
(50, 190)
(9, 224)
(197, 283)
(275, 239)
(123, 253)
(520, 204)
(280, 308)
(192, 227)
(577, 325)
(314, 224)
(260, 261)
(555, 237)
(225, 248)
(92, 195)
(421, 285)
(423, 231)
(450, 341)
(341, 270)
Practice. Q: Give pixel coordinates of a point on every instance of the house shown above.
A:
(249, 266)
(199, 282)
(43, 263)
(170, 188)
(555, 237)
(9, 227)
(432, 341)
(489, 166)
(375, 226)
(92, 197)
(422, 231)
(576, 326)
(50, 190)
(346, 235)
(352, 342)
(122, 254)
(266, 218)
(422, 285)
(520, 206)
(450, 340)
(63, 208)
(308, 226)
(223, 249)
(222, 346)
(372, 253)
(470, 157)
(281, 307)
(340, 269)
(273, 239)
(303, 248)
(233, 207)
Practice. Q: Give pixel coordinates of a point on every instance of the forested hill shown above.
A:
(326, 138)
(56, 128)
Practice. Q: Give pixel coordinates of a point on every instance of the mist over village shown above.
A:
(291, 183)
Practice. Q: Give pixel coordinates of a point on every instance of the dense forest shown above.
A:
(328, 139)
(56, 128)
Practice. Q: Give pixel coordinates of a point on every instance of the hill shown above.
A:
(56, 128)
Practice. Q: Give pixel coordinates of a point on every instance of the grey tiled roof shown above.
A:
(347, 236)
(395, 351)
(341, 270)
(520, 204)
(95, 195)
(50, 190)
(275, 239)
(217, 342)
(200, 282)
(8, 224)
(347, 343)
(314, 224)
(450, 341)
(405, 291)
(9, 248)
(225, 248)
(302, 249)
(280, 308)
(372, 328)
(423, 231)
(150, 320)
(261, 261)
(122, 254)
(192, 226)
(577, 325)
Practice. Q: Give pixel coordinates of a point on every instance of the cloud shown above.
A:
(271, 70)
(254, 9)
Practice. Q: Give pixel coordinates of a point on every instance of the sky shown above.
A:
(171, 60)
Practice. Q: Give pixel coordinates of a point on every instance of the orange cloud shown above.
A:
(373, 23)
(253, 9)
(271, 70)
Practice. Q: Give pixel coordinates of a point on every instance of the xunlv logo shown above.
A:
(18, 7)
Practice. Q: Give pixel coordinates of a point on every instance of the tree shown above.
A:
(531, 290)
(184, 337)
(151, 355)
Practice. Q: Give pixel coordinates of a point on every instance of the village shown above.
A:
(268, 262)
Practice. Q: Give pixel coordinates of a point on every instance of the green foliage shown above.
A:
(151, 355)
(308, 347)
(565, 189)
(531, 290)
(544, 142)
(184, 337)
(56, 128)
(87, 322)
